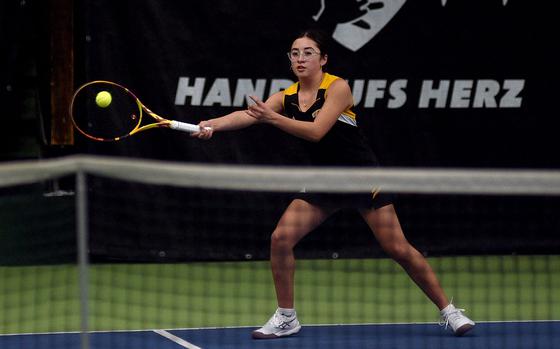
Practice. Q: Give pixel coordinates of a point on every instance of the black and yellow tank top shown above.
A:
(344, 144)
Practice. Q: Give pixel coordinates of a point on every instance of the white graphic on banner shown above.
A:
(371, 17)
(359, 31)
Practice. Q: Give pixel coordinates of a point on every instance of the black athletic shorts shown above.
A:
(355, 201)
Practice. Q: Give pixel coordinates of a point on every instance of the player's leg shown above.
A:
(387, 229)
(297, 221)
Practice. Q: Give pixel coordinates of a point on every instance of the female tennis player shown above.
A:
(318, 108)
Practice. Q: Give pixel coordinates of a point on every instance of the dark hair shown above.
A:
(320, 38)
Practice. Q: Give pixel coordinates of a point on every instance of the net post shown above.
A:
(83, 260)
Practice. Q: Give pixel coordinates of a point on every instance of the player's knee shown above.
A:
(281, 239)
(398, 251)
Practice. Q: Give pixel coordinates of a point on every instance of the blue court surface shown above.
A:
(526, 335)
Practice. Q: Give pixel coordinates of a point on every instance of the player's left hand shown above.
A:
(260, 110)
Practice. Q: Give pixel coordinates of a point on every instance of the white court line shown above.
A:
(254, 326)
(176, 339)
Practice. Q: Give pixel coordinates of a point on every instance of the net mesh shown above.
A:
(153, 254)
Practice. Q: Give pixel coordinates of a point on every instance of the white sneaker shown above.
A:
(454, 318)
(279, 325)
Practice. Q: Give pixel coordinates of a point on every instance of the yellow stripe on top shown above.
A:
(292, 89)
(328, 79)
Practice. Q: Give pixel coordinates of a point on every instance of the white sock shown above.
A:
(447, 308)
(288, 312)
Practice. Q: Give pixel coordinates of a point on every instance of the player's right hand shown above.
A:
(206, 130)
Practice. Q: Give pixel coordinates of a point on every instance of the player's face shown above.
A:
(306, 58)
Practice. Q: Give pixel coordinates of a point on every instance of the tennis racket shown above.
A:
(118, 116)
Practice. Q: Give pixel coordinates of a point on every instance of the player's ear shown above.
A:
(324, 60)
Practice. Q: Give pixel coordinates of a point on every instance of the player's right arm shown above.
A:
(236, 120)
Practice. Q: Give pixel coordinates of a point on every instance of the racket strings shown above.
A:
(114, 121)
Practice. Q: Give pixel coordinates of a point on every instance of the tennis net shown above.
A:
(144, 254)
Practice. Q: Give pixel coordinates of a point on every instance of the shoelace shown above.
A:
(281, 321)
(454, 314)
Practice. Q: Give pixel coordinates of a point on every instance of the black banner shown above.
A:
(437, 83)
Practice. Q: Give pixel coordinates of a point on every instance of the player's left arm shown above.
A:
(338, 98)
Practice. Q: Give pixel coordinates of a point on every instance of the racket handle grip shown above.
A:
(185, 127)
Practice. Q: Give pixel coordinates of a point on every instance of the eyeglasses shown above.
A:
(305, 55)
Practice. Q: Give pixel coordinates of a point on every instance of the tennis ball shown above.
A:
(103, 99)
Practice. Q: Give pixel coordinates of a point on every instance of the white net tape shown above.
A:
(268, 178)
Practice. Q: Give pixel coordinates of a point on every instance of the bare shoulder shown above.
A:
(339, 89)
(339, 85)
